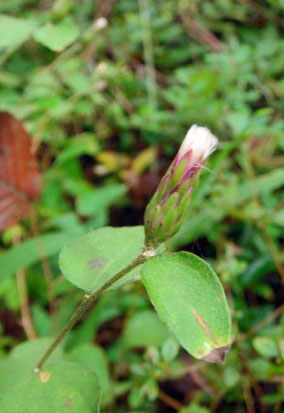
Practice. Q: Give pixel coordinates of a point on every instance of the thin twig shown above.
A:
(278, 403)
(86, 304)
(26, 318)
(104, 8)
(197, 32)
(170, 401)
(45, 268)
(262, 11)
(273, 251)
(217, 401)
(269, 319)
(248, 397)
(252, 383)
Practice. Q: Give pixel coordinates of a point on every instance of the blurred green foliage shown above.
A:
(107, 90)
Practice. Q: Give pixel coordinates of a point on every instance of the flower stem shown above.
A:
(85, 305)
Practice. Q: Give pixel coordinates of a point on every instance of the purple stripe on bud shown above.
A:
(178, 181)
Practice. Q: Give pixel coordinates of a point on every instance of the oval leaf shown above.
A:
(94, 258)
(61, 387)
(145, 329)
(57, 36)
(190, 299)
(14, 31)
(22, 361)
(93, 358)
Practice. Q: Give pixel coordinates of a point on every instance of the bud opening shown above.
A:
(167, 208)
(200, 142)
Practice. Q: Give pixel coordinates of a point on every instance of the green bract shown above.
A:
(167, 208)
(164, 213)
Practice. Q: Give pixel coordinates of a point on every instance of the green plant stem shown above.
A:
(85, 305)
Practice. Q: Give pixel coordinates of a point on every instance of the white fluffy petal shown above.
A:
(200, 141)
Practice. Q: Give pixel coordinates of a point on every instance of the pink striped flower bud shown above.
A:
(168, 205)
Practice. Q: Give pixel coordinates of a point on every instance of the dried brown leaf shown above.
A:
(19, 175)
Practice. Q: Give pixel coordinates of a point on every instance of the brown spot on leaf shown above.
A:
(97, 263)
(44, 376)
(202, 324)
(217, 355)
(69, 403)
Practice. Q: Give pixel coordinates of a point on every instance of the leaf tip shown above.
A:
(217, 355)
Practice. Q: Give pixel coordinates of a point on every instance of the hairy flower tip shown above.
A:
(199, 143)
(167, 208)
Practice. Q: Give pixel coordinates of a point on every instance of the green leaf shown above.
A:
(194, 408)
(170, 349)
(263, 369)
(41, 319)
(189, 298)
(57, 37)
(279, 218)
(14, 31)
(266, 346)
(22, 361)
(231, 376)
(264, 184)
(92, 202)
(61, 387)
(84, 143)
(28, 252)
(145, 329)
(94, 258)
(93, 358)
(30, 352)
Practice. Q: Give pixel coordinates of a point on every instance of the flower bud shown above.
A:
(168, 205)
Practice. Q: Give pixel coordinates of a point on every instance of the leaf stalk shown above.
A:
(85, 305)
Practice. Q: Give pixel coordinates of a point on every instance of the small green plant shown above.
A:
(182, 287)
(185, 291)
(105, 90)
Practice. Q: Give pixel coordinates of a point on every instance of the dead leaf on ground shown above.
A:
(19, 175)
